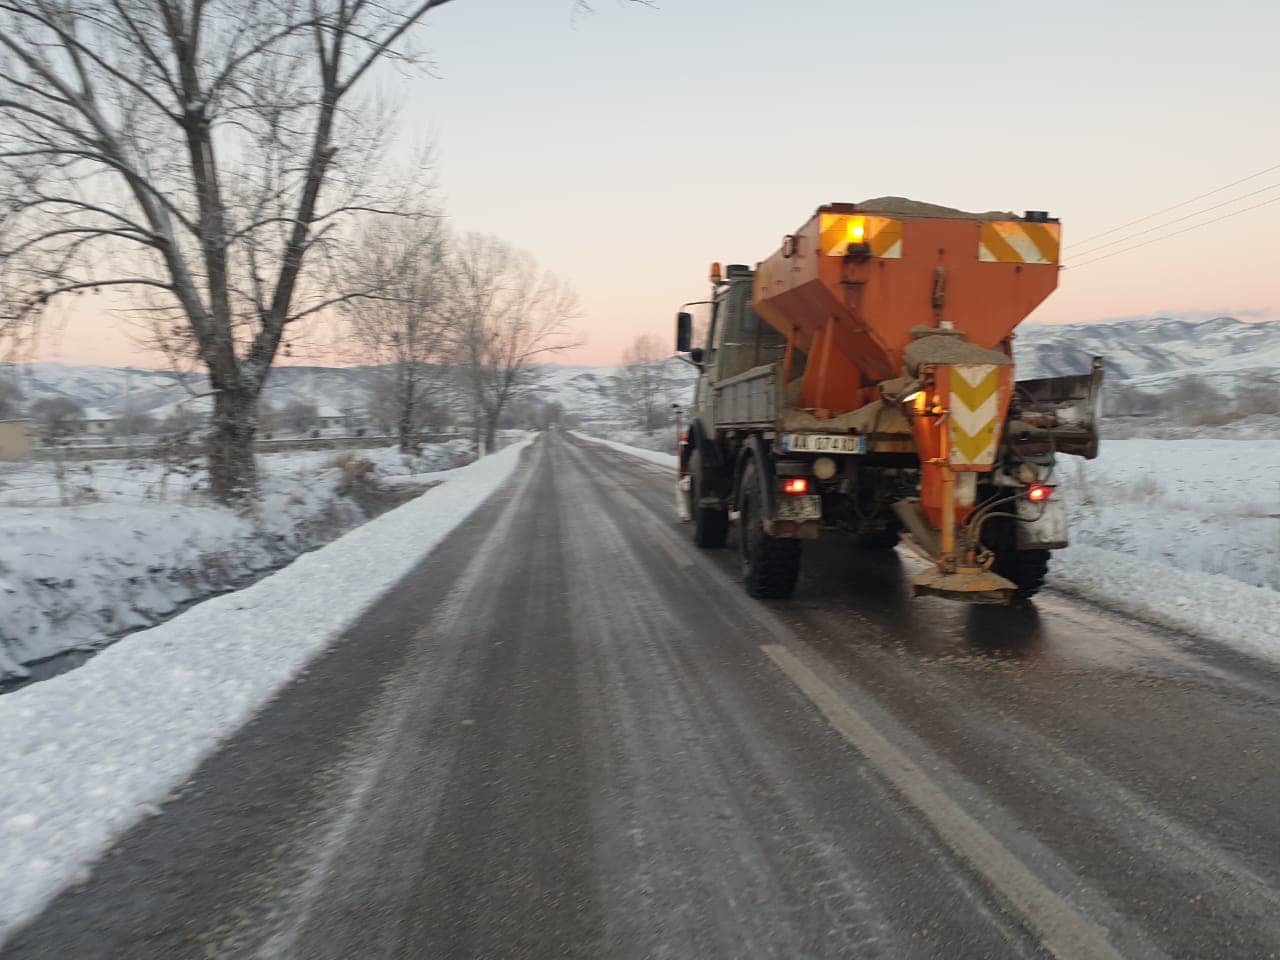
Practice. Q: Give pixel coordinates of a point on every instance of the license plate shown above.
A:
(822, 443)
(798, 508)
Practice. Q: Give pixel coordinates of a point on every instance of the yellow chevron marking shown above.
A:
(975, 448)
(974, 416)
(974, 395)
(1017, 241)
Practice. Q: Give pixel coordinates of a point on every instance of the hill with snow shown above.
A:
(1144, 360)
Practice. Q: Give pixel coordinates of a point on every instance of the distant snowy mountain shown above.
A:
(113, 390)
(1144, 355)
(1140, 349)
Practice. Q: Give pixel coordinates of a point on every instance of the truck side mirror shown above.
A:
(684, 332)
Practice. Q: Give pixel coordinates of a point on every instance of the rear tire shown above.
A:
(710, 526)
(1026, 569)
(770, 566)
(885, 538)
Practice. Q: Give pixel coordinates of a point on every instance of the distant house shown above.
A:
(15, 439)
(96, 423)
(331, 418)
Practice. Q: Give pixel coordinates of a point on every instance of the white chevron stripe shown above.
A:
(973, 373)
(973, 420)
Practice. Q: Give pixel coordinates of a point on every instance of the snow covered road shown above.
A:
(570, 734)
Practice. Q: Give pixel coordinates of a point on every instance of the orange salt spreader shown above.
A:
(896, 302)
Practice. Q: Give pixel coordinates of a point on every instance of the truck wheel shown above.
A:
(1026, 569)
(769, 566)
(710, 526)
(885, 538)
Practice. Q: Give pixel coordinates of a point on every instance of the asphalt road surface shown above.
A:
(570, 734)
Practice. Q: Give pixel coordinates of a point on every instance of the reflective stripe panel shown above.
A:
(1016, 241)
(836, 231)
(974, 420)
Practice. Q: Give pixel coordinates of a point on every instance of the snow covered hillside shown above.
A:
(1140, 349)
(1145, 360)
(93, 549)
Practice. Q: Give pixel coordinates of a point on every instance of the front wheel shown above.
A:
(770, 566)
(710, 526)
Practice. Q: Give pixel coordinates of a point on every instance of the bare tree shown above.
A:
(134, 422)
(205, 151)
(640, 381)
(505, 313)
(402, 329)
(298, 416)
(57, 416)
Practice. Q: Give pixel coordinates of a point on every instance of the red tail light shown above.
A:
(795, 485)
(1039, 493)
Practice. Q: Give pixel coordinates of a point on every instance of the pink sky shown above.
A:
(628, 149)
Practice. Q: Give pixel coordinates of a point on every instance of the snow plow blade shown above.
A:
(980, 586)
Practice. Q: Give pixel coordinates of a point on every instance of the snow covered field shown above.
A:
(93, 549)
(1184, 534)
(1205, 506)
(89, 753)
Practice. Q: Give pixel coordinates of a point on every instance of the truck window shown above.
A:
(743, 340)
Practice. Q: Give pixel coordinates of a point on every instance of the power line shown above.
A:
(1197, 226)
(1176, 206)
(1170, 223)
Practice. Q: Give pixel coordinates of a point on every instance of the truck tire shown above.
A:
(710, 526)
(885, 538)
(770, 566)
(1026, 569)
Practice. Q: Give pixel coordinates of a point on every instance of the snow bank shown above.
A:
(652, 456)
(1204, 604)
(1201, 505)
(90, 550)
(89, 753)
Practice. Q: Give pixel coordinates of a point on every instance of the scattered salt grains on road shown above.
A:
(87, 754)
(1184, 534)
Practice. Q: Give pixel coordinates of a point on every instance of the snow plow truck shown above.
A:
(860, 382)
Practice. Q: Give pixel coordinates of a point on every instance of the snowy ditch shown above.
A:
(88, 754)
(91, 551)
(1183, 534)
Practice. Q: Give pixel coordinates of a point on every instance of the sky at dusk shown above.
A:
(628, 148)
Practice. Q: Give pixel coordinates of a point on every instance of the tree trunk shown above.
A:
(490, 431)
(233, 473)
(408, 401)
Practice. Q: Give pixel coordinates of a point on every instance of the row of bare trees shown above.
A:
(442, 307)
(214, 160)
